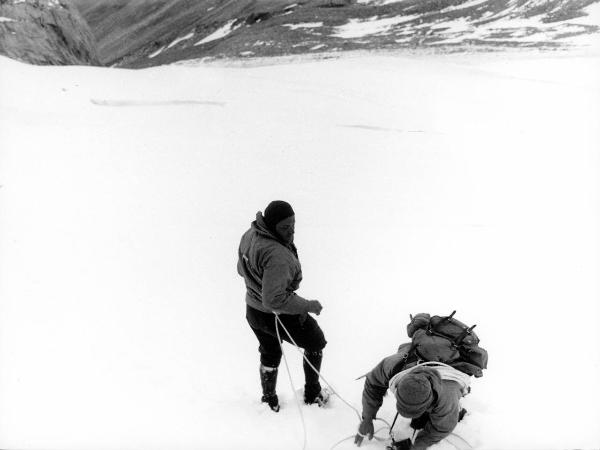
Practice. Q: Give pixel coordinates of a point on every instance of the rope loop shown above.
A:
(466, 445)
(291, 383)
(333, 391)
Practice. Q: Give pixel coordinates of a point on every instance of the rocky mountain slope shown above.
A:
(45, 32)
(141, 33)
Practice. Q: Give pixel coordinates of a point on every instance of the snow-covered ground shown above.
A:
(420, 184)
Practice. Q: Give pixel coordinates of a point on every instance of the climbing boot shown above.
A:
(268, 381)
(312, 388)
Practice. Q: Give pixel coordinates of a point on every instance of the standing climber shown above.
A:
(268, 262)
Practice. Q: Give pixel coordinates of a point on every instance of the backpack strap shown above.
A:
(408, 357)
(432, 330)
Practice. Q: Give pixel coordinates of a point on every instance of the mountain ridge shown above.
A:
(146, 33)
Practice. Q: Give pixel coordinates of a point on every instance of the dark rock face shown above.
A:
(45, 32)
(145, 33)
(129, 31)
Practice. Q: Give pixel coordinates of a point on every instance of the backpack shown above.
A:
(447, 340)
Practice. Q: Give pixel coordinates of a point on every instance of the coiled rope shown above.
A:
(333, 391)
(446, 372)
(377, 438)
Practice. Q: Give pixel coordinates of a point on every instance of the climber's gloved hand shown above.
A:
(315, 307)
(365, 430)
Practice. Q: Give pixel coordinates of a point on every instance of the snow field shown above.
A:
(420, 184)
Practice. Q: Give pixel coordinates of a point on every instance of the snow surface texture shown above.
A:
(420, 184)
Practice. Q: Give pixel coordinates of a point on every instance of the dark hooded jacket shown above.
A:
(443, 413)
(271, 270)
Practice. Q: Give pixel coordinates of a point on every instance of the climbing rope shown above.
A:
(466, 445)
(333, 391)
(352, 436)
(387, 426)
(446, 372)
(287, 367)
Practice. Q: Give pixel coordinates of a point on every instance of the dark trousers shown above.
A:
(304, 330)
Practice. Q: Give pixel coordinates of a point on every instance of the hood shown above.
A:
(260, 226)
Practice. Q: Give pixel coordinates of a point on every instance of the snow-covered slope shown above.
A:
(144, 33)
(420, 184)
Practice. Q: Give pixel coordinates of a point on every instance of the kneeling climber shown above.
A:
(428, 394)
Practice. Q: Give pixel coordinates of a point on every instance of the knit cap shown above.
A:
(276, 211)
(414, 394)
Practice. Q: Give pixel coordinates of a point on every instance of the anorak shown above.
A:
(271, 270)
